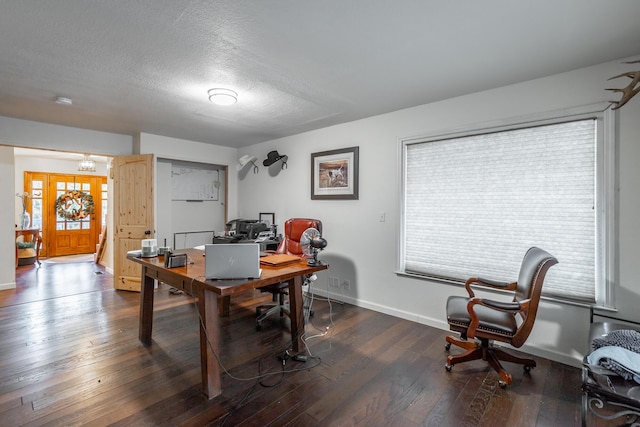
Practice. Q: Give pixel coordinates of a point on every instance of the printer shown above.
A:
(245, 228)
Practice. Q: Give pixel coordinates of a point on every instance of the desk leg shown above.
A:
(208, 309)
(297, 318)
(146, 308)
(224, 305)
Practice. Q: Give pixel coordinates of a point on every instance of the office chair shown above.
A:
(290, 245)
(488, 320)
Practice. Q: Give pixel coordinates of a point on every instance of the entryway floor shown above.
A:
(69, 258)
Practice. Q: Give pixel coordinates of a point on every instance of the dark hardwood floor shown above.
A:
(70, 355)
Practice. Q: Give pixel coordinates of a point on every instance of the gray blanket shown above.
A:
(625, 365)
(624, 338)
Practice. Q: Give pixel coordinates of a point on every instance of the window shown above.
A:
(474, 202)
(36, 203)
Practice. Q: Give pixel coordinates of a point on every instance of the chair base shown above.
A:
(483, 349)
(264, 311)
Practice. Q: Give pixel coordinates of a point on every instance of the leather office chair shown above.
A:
(290, 245)
(488, 320)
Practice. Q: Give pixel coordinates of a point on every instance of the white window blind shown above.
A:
(473, 205)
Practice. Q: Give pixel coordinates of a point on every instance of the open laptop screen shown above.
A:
(232, 261)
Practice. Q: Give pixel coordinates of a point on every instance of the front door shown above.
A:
(62, 235)
(70, 229)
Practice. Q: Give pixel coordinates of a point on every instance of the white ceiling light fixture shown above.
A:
(87, 164)
(221, 96)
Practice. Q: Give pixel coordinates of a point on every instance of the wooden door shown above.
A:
(62, 236)
(73, 236)
(133, 212)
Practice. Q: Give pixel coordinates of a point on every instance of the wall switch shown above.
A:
(382, 216)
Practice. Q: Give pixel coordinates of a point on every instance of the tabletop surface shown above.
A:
(194, 272)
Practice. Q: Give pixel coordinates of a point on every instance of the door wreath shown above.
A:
(74, 205)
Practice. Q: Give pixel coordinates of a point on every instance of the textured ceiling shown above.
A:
(146, 65)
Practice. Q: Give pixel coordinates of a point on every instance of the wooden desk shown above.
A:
(191, 280)
(30, 235)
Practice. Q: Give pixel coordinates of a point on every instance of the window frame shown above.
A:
(606, 188)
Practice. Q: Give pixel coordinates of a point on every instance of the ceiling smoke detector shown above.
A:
(63, 100)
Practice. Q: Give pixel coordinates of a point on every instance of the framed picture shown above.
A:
(268, 218)
(334, 174)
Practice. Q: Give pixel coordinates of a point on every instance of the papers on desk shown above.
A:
(278, 260)
(199, 247)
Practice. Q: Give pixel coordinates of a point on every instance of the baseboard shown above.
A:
(5, 286)
(570, 360)
(565, 359)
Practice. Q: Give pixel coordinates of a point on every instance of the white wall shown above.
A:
(7, 220)
(25, 133)
(364, 250)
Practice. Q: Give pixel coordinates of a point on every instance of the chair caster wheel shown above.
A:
(502, 384)
(448, 367)
(447, 346)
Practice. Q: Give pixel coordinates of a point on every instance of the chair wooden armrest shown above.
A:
(488, 283)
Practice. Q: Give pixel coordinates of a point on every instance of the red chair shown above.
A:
(290, 245)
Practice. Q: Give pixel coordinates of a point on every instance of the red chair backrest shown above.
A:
(293, 229)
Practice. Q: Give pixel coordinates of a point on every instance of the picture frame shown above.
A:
(334, 174)
(268, 218)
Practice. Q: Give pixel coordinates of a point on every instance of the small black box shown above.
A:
(174, 260)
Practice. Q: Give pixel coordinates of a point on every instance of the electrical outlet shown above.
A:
(346, 284)
(334, 282)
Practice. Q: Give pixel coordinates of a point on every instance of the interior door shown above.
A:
(133, 212)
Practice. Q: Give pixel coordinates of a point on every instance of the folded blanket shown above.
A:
(625, 338)
(623, 362)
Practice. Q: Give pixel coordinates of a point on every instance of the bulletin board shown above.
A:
(188, 183)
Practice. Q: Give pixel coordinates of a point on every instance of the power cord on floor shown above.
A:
(327, 330)
(260, 375)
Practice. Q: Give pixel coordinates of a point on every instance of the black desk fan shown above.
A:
(311, 243)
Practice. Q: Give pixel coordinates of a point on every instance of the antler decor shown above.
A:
(630, 90)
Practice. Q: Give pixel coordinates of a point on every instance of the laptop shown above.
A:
(232, 261)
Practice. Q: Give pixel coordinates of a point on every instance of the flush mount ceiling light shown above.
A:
(87, 164)
(220, 96)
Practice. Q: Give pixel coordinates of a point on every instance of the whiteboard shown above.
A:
(189, 183)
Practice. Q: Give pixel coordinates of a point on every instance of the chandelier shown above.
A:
(87, 164)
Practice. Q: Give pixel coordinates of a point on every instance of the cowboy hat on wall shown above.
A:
(274, 157)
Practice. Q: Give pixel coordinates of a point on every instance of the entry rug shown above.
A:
(69, 259)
